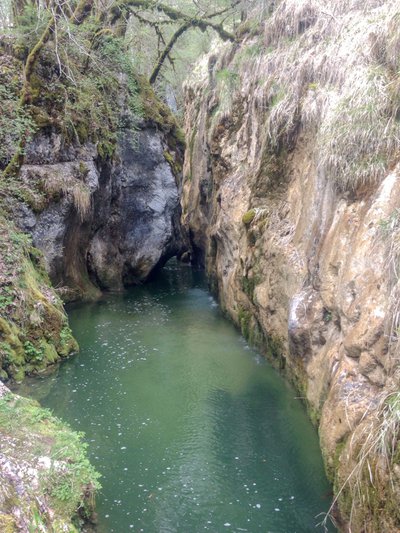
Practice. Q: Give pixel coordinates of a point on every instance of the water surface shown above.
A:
(191, 430)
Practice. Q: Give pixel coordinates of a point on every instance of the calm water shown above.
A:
(191, 430)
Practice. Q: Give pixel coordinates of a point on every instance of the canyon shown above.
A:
(287, 195)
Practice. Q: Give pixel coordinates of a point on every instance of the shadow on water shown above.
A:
(191, 430)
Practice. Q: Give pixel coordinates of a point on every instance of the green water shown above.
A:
(191, 430)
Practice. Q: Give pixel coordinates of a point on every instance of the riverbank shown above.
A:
(190, 429)
(46, 481)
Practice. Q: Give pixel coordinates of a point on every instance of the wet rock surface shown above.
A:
(104, 225)
(139, 213)
(300, 265)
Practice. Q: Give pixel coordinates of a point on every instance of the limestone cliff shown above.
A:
(291, 199)
(94, 206)
(107, 224)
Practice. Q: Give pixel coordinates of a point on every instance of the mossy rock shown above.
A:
(176, 166)
(66, 490)
(7, 523)
(12, 353)
(50, 355)
(41, 118)
(158, 113)
(34, 329)
(67, 342)
(244, 317)
(248, 217)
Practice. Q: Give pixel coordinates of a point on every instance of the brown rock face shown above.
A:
(298, 231)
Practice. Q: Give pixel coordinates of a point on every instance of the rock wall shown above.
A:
(95, 205)
(104, 225)
(291, 200)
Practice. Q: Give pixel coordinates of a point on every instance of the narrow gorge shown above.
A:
(280, 180)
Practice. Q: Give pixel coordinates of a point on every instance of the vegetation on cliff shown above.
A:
(34, 330)
(299, 121)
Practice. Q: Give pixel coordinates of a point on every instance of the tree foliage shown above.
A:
(86, 45)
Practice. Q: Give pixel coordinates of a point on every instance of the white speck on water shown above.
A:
(276, 509)
(123, 447)
(258, 506)
(227, 524)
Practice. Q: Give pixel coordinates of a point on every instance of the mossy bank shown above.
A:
(47, 483)
(34, 331)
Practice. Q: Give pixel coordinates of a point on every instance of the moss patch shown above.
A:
(34, 329)
(248, 217)
(244, 317)
(157, 113)
(50, 462)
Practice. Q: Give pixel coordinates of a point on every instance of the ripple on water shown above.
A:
(191, 430)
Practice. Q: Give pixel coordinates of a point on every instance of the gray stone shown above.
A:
(108, 225)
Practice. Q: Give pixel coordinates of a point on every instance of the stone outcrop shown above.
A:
(104, 225)
(140, 214)
(297, 222)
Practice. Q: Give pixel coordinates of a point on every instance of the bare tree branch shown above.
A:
(180, 31)
(173, 14)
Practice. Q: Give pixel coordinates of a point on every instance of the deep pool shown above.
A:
(191, 430)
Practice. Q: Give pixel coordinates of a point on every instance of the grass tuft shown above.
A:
(371, 483)
(330, 68)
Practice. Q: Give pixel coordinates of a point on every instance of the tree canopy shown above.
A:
(90, 42)
(168, 20)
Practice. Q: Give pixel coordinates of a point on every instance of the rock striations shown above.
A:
(291, 200)
(109, 225)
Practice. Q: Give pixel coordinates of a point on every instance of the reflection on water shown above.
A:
(191, 430)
